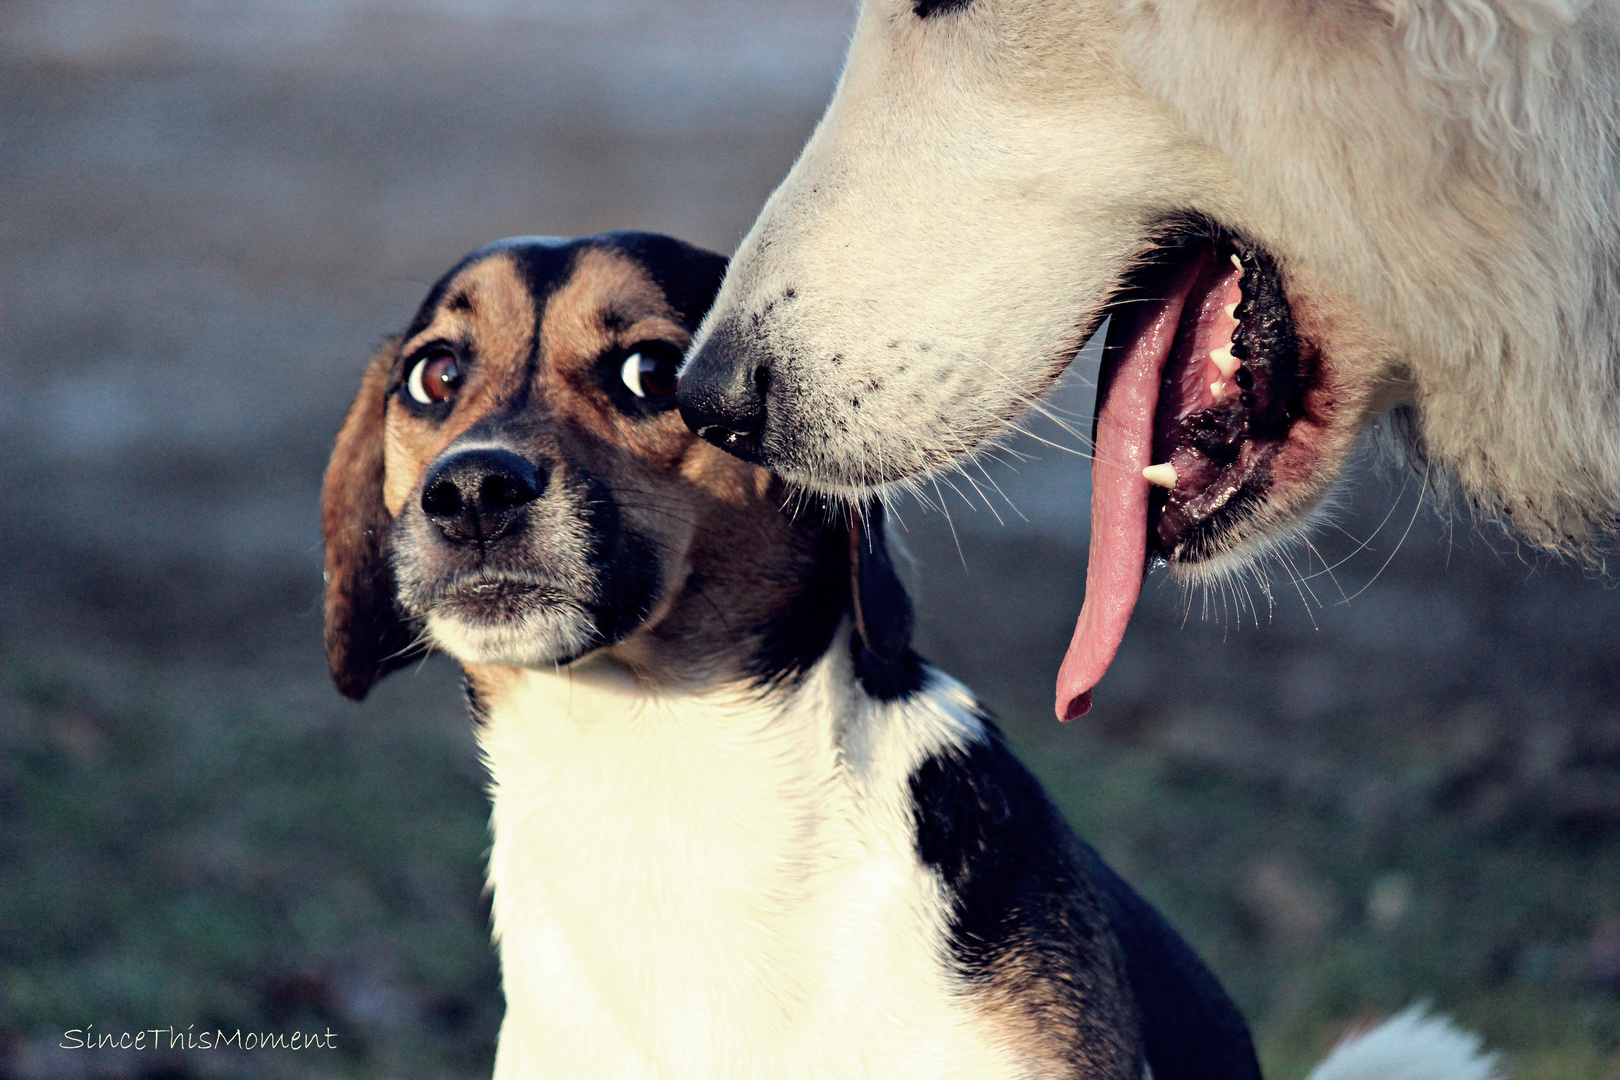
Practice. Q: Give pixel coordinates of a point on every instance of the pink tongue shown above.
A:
(1119, 495)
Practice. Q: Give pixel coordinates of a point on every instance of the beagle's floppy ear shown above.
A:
(365, 636)
(883, 615)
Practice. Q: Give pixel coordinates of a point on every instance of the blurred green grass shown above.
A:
(247, 851)
(227, 855)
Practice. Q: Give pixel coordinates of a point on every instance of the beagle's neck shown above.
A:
(762, 608)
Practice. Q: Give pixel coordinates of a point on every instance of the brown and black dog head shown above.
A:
(514, 486)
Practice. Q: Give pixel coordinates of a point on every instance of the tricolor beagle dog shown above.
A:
(740, 828)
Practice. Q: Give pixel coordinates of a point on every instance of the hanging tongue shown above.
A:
(1140, 335)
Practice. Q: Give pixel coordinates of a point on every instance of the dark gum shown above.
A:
(1188, 525)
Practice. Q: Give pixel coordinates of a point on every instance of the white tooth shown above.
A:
(1163, 475)
(1237, 262)
(1231, 312)
(1223, 359)
(1217, 388)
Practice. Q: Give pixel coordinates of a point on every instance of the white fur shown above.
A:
(1437, 179)
(724, 884)
(1410, 1046)
(560, 628)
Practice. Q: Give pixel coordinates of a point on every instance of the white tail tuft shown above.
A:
(1410, 1046)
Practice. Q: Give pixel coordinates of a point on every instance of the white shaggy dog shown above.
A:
(1300, 213)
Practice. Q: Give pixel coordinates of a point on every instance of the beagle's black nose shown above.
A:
(478, 495)
(722, 393)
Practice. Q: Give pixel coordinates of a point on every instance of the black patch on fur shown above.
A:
(853, 576)
(1039, 919)
(883, 613)
(929, 8)
(477, 707)
(801, 633)
(881, 645)
(1026, 926)
(1190, 1028)
(886, 680)
(688, 276)
(627, 578)
(545, 270)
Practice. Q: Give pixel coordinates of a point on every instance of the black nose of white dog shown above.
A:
(722, 396)
(478, 495)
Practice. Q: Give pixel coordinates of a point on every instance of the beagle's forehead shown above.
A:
(505, 292)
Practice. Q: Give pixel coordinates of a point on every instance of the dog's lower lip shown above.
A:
(501, 588)
(493, 599)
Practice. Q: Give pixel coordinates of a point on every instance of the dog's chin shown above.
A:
(516, 626)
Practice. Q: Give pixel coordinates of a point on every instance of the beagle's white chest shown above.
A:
(697, 887)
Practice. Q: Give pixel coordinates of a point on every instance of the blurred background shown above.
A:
(1353, 788)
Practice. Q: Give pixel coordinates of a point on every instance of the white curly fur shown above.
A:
(1412, 1045)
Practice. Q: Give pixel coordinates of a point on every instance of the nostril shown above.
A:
(442, 499)
(762, 380)
(505, 491)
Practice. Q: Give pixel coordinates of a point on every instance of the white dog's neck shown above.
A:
(721, 884)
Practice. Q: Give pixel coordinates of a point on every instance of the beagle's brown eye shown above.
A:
(434, 378)
(649, 370)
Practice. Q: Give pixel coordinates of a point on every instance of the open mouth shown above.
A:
(1203, 379)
